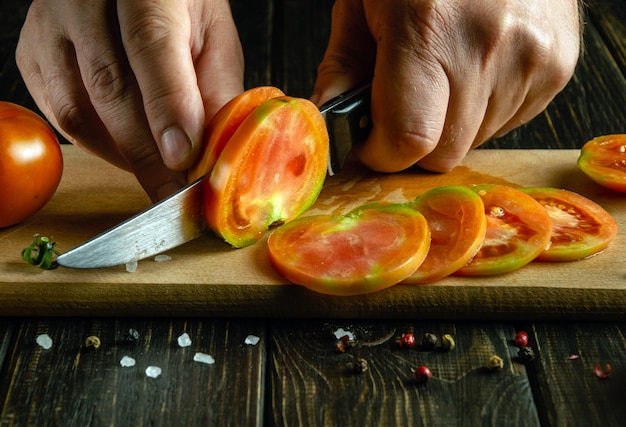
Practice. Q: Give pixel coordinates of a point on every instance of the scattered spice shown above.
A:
(521, 339)
(131, 266)
(162, 258)
(495, 363)
(429, 341)
(526, 355)
(44, 341)
(252, 340)
(573, 357)
(203, 358)
(344, 343)
(131, 336)
(92, 341)
(184, 340)
(41, 253)
(127, 362)
(447, 342)
(361, 365)
(340, 333)
(153, 371)
(407, 340)
(422, 374)
(603, 373)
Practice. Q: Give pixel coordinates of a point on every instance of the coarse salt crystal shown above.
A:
(127, 362)
(203, 358)
(131, 267)
(252, 340)
(162, 258)
(184, 340)
(340, 333)
(153, 371)
(44, 341)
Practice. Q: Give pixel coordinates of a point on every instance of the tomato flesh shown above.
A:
(457, 223)
(518, 230)
(603, 159)
(270, 171)
(371, 248)
(580, 227)
(31, 163)
(225, 123)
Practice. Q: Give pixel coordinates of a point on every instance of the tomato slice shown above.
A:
(371, 248)
(225, 123)
(580, 227)
(603, 159)
(518, 230)
(271, 170)
(457, 223)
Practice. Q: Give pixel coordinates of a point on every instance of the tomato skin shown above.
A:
(457, 223)
(31, 163)
(603, 159)
(225, 123)
(580, 227)
(371, 248)
(271, 170)
(518, 230)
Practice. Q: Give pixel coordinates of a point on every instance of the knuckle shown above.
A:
(69, 115)
(145, 32)
(106, 82)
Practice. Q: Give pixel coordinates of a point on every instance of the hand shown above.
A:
(447, 76)
(135, 81)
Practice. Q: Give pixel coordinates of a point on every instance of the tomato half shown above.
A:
(369, 249)
(518, 230)
(31, 163)
(225, 123)
(457, 223)
(270, 171)
(603, 159)
(580, 227)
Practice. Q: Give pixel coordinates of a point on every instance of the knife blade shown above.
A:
(177, 219)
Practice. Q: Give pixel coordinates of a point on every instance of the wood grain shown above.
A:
(313, 384)
(70, 384)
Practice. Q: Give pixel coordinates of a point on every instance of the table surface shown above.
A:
(295, 374)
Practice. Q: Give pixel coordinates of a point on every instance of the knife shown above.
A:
(178, 218)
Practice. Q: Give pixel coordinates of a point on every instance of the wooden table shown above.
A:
(295, 374)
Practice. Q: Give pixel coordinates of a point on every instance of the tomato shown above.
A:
(603, 159)
(457, 222)
(580, 227)
(518, 230)
(31, 163)
(371, 248)
(270, 171)
(223, 125)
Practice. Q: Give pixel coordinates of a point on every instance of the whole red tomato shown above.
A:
(31, 163)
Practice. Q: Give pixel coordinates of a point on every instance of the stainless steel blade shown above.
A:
(166, 225)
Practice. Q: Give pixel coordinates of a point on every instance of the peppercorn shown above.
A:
(603, 374)
(495, 363)
(526, 355)
(521, 339)
(361, 365)
(447, 342)
(344, 343)
(92, 342)
(429, 341)
(422, 374)
(407, 340)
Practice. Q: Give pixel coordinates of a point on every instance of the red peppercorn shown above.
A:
(423, 374)
(521, 339)
(407, 340)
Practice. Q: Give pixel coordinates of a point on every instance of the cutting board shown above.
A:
(206, 277)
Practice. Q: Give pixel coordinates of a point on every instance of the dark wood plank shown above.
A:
(567, 388)
(7, 327)
(313, 384)
(609, 16)
(70, 384)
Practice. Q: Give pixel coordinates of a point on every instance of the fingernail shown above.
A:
(175, 147)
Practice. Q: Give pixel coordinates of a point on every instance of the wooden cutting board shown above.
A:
(206, 277)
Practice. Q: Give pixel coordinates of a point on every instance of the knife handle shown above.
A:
(348, 120)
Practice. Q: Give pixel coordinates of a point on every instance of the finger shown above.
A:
(350, 56)
(156, 38)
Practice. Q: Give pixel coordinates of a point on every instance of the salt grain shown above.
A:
(252, 340)
(131, 267)
(153, 371)
(162, 258)
(203, 358)
(340, 333)
(44, 341)
(127, 362)
(184, 340)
